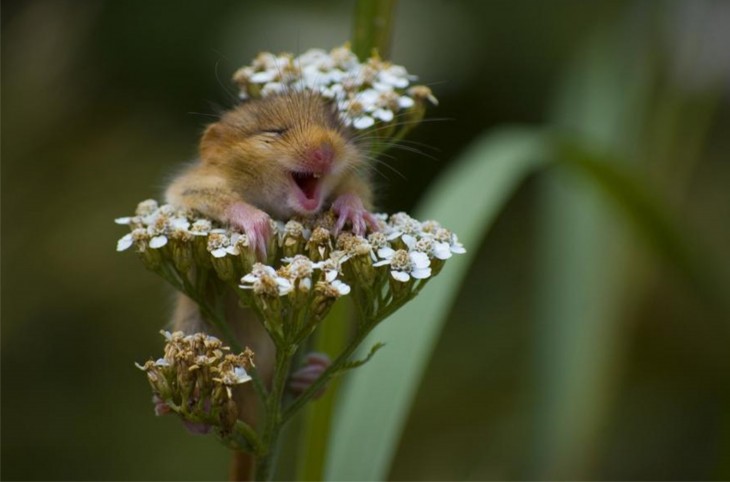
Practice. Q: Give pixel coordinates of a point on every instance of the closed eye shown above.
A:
(276, 131)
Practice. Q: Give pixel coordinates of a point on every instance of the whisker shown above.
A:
(214, 116)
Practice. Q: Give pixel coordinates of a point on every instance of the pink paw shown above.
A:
(254, 222)
(349, 208)
(314, 365)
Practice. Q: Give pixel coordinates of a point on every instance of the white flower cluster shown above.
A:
(406, 246)
(308, 266)
(365, 93)
(195, 378)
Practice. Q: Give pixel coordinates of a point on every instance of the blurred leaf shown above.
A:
(584, 256)
(637, 201)
(376, 398)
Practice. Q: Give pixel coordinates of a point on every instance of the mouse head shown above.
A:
(287, 152)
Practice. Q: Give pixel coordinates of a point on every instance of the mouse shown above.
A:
(275, 157)
(279, 156)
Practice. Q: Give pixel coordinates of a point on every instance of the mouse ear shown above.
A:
(211, 144)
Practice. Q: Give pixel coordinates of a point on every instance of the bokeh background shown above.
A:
(578, 348)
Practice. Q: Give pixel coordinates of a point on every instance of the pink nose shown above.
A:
(321, 157)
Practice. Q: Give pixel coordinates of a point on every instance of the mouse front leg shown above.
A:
(209, 193)
(351, 205)
(252, 221)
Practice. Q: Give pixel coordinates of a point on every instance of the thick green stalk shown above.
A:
(372, 27)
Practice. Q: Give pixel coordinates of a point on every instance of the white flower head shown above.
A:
(405, 265)
(201, 227)
(332, 267)
(218, 243)
(366, 93)
(264, 280)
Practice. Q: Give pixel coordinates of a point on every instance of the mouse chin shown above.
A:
(304, 205)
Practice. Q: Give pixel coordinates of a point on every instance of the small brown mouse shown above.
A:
(283, 155)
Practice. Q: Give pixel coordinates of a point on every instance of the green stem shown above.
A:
(265, 462)
(372, 27)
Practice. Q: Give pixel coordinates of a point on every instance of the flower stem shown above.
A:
(265, 462)
(372, 27)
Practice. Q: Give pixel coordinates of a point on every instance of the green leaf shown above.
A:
(376, 398)
(358, 363)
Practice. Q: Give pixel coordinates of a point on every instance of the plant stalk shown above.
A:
(372, 27)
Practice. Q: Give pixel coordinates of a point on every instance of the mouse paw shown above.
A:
(254, 222)
(314, 365)
(349, 208)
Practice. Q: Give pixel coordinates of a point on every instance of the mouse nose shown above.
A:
(321, 157)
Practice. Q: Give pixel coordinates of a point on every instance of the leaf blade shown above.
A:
(373, 408)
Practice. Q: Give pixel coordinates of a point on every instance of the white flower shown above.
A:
(380, 89)
(445, 236)
(456, 246)
(235, 377)
(428, 245)
(404, 265)
(201, 227)
(264, 280)
(146, 207)
(332, 266)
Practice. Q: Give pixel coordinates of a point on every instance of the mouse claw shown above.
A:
(254, 223)
(349, 208)
(314, 365)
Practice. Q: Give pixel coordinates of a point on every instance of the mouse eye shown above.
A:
(275, 131)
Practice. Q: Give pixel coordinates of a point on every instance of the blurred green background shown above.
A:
(590, 337)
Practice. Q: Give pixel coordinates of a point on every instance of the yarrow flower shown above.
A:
(306, 249)
(405, 264)
(365, 93)
(264, 280)
(308, 268)
(195, 379)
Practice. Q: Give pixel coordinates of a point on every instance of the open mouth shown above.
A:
(308, 184)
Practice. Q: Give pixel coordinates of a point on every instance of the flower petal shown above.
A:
(421, 273)
(219, 253)
(158, 241)
(363, 122)
(409, 240)
(441, 250)
(420, 260)
(386, 252)
(342, 288)
(125, 242)
(400, 276)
